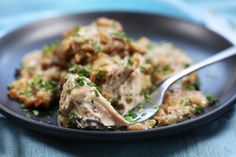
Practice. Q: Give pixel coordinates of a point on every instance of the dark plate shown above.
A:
(199, 43)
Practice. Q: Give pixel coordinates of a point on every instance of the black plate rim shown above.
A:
(90, 134)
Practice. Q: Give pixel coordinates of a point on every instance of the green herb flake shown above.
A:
(144, 113)
(128, 118)
(91, 84)
(129, 99)
(68, 90)
(97, 48)
(210, 99)
(140, 105)
(139, 38)
(121, 35)
(130, 63)
(39, 83)
(199, 110)
(48, 49)
(186, 65)
(28, 68)
(110, 101)
(28, 116)
(148, 60)
(80, 81)
(83, 71)
(100, 75)
(96, 93)
(191, 86)
(156, 106)
(26, 93)
(35, 112)
(73, 68)
(25, 110)
(145, 92)
(76, 30)
(72, 116)
(166, 69)
(142, 68)
(185, 102)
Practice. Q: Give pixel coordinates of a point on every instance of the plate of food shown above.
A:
(81, 76)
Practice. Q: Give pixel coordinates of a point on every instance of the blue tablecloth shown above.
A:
(216, 139)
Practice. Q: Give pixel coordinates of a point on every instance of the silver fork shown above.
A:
(158, 95)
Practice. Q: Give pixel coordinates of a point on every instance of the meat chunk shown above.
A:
(82, 106)
(84, 45)
(110, 73)
(131, 91)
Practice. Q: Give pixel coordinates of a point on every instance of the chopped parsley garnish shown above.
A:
(140, 105)
(76, 30)
(28, 116)
(84, 72)
(68, 90)
(35, 112)
(130, 116)
(79, 81)
(210, 99)
(145, 92)
(156, 106)
(191, 86)
(199, 109)
(91, 84)
(26, 93)
(142, 68)
(96, 93)
(150, 46)
(129, 99)
(139, 38)
(25, 110)
(141, 109)
(130, 63)
(121, 35)
(72, 116)
(97, 48)
(166, 69)
(100, 76)
(39, 83)
(110, 101)
(185, 102)
(186, 65)
(148, 60)
(29, 68)
(48, 49)
(73, 68)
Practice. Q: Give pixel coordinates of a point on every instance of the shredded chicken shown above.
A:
(82, 105)
(99, 75)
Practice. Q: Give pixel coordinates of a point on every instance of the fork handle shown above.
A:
(213, 59)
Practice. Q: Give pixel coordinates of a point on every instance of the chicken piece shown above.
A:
(82, 106)
(131, 91)
(84, 45)
(110, 73)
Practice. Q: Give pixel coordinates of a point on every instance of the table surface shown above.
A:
(216, 139)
